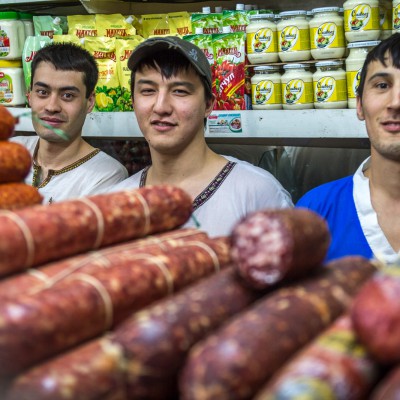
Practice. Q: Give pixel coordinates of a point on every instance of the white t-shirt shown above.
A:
(240, 188)
(91, 175)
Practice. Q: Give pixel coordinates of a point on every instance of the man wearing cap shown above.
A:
(172, 96)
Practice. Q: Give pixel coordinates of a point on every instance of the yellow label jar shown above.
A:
(266, 91)
(12, 36)
(293, 36)
(385, 18)
(361, 20)
(396, 16)
(329, 83)
(261, 39)
(12, 86)
(297, 87)
(327, 33)
(354, 63)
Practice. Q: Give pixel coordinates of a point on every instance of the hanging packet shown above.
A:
(180, 23)
(67, 39)
(209, 23)
(46, 25)
(113, 25)
(155, 25)
(82, 25)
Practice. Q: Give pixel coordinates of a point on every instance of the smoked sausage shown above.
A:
(15, 162)
(7, 123)
(15, 196)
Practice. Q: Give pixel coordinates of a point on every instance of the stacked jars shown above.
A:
(266, 93)
(396, 16)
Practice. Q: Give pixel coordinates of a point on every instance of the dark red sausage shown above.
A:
(270, 245)
(40, 234)
(235, 361)
(334, 366)
(87, 304)
(15, 196)
(15, 162)
(389, 387)
(7, 123)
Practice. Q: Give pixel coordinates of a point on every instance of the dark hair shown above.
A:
(69, 57)
(388, 47)
(170, 64)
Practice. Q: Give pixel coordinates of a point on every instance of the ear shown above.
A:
(209, 106)
(360, 112)
(91, 103)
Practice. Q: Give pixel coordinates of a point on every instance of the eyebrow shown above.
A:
(378, 75)
(187, 84)
(64, 88)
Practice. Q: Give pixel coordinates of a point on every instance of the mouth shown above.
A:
(51, 121)
(162, 123)
(392, 125)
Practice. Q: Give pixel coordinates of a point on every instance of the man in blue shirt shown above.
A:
(363, 210)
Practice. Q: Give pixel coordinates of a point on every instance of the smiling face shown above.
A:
(58, 99)
(170, 111)
(380, 108)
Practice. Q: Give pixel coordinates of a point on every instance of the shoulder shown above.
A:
(132, 182)
(109, 163)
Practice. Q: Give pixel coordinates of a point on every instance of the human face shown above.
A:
(58, 99)
(380, 108)
(170, 112)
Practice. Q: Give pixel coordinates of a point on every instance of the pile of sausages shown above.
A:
(15, 163)
(177, 315)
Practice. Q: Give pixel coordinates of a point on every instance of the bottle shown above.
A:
(385, 18)
(327, 34)
(27, 20)
(297, 90)
(293, 36)
(12, 36)
(396, 16)
(329, 81)
(12, 86)
(261, 39)
(361, 20)
(354, 63)
(266, 91)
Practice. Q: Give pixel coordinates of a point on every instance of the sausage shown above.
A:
(155, 339)
(15, 162)
(15, 196)
(334, 366)
(389, 387)
(270, 245)
(36, 278)
(376, 317)
(7, 123)
(84, 305)
(237, 359)
(44, 233)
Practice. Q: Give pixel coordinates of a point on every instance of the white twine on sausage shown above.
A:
(39, 275)
(209, 250)
(27, 234)
(99, 218)
(146, 211)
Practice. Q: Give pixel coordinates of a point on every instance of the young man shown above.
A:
(62, 94)
(172, 97)
(363, 211)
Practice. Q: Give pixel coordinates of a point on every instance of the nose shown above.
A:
(53, 104)
(162, 104)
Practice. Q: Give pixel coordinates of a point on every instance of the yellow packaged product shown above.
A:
(67, 39)
(82, 25)
(114, 25)
(155, 25)
(179, 23)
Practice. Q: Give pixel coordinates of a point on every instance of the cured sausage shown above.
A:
(237, 359)
(146, 351)
(15, 162)
(7, 123)
(270, 245)
(334, 366)
(376, 316)
(15, 196)
(389, 387)
(37, 278)
(84, 305)
(43, 233)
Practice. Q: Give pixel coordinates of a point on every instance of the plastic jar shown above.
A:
(12, 86)
(261, 39)
(329, 82)
(354, 64)
(12, 36)
(396, 16)
(327, 33)
(266, 91)
(361, 20)
(27, 20)
(385, 18)
(297, 90)
(293, 36)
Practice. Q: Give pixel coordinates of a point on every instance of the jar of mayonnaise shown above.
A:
(327, 34)
(293, 36)
(261, 39)
(354, 63)
(297, 87)
(329, 83)
(396, 16)
(12, 36)
(12, 86)
(361, 20)
(266, 91)
(27, 20)
(385, 18)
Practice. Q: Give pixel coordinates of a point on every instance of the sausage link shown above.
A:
(15, 162)
(15, 196)
(7, 123)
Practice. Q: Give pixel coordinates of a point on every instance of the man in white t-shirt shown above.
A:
(65, 166)
(172, 97)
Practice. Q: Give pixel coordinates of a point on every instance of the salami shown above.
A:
(149, 348)
(15, 196)
(334, 366)
(270, 245)
(85, 305)
(376, 316)
(7, 123)
(43, 233)
(237, 359)
(15, 162)
(389, 387)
